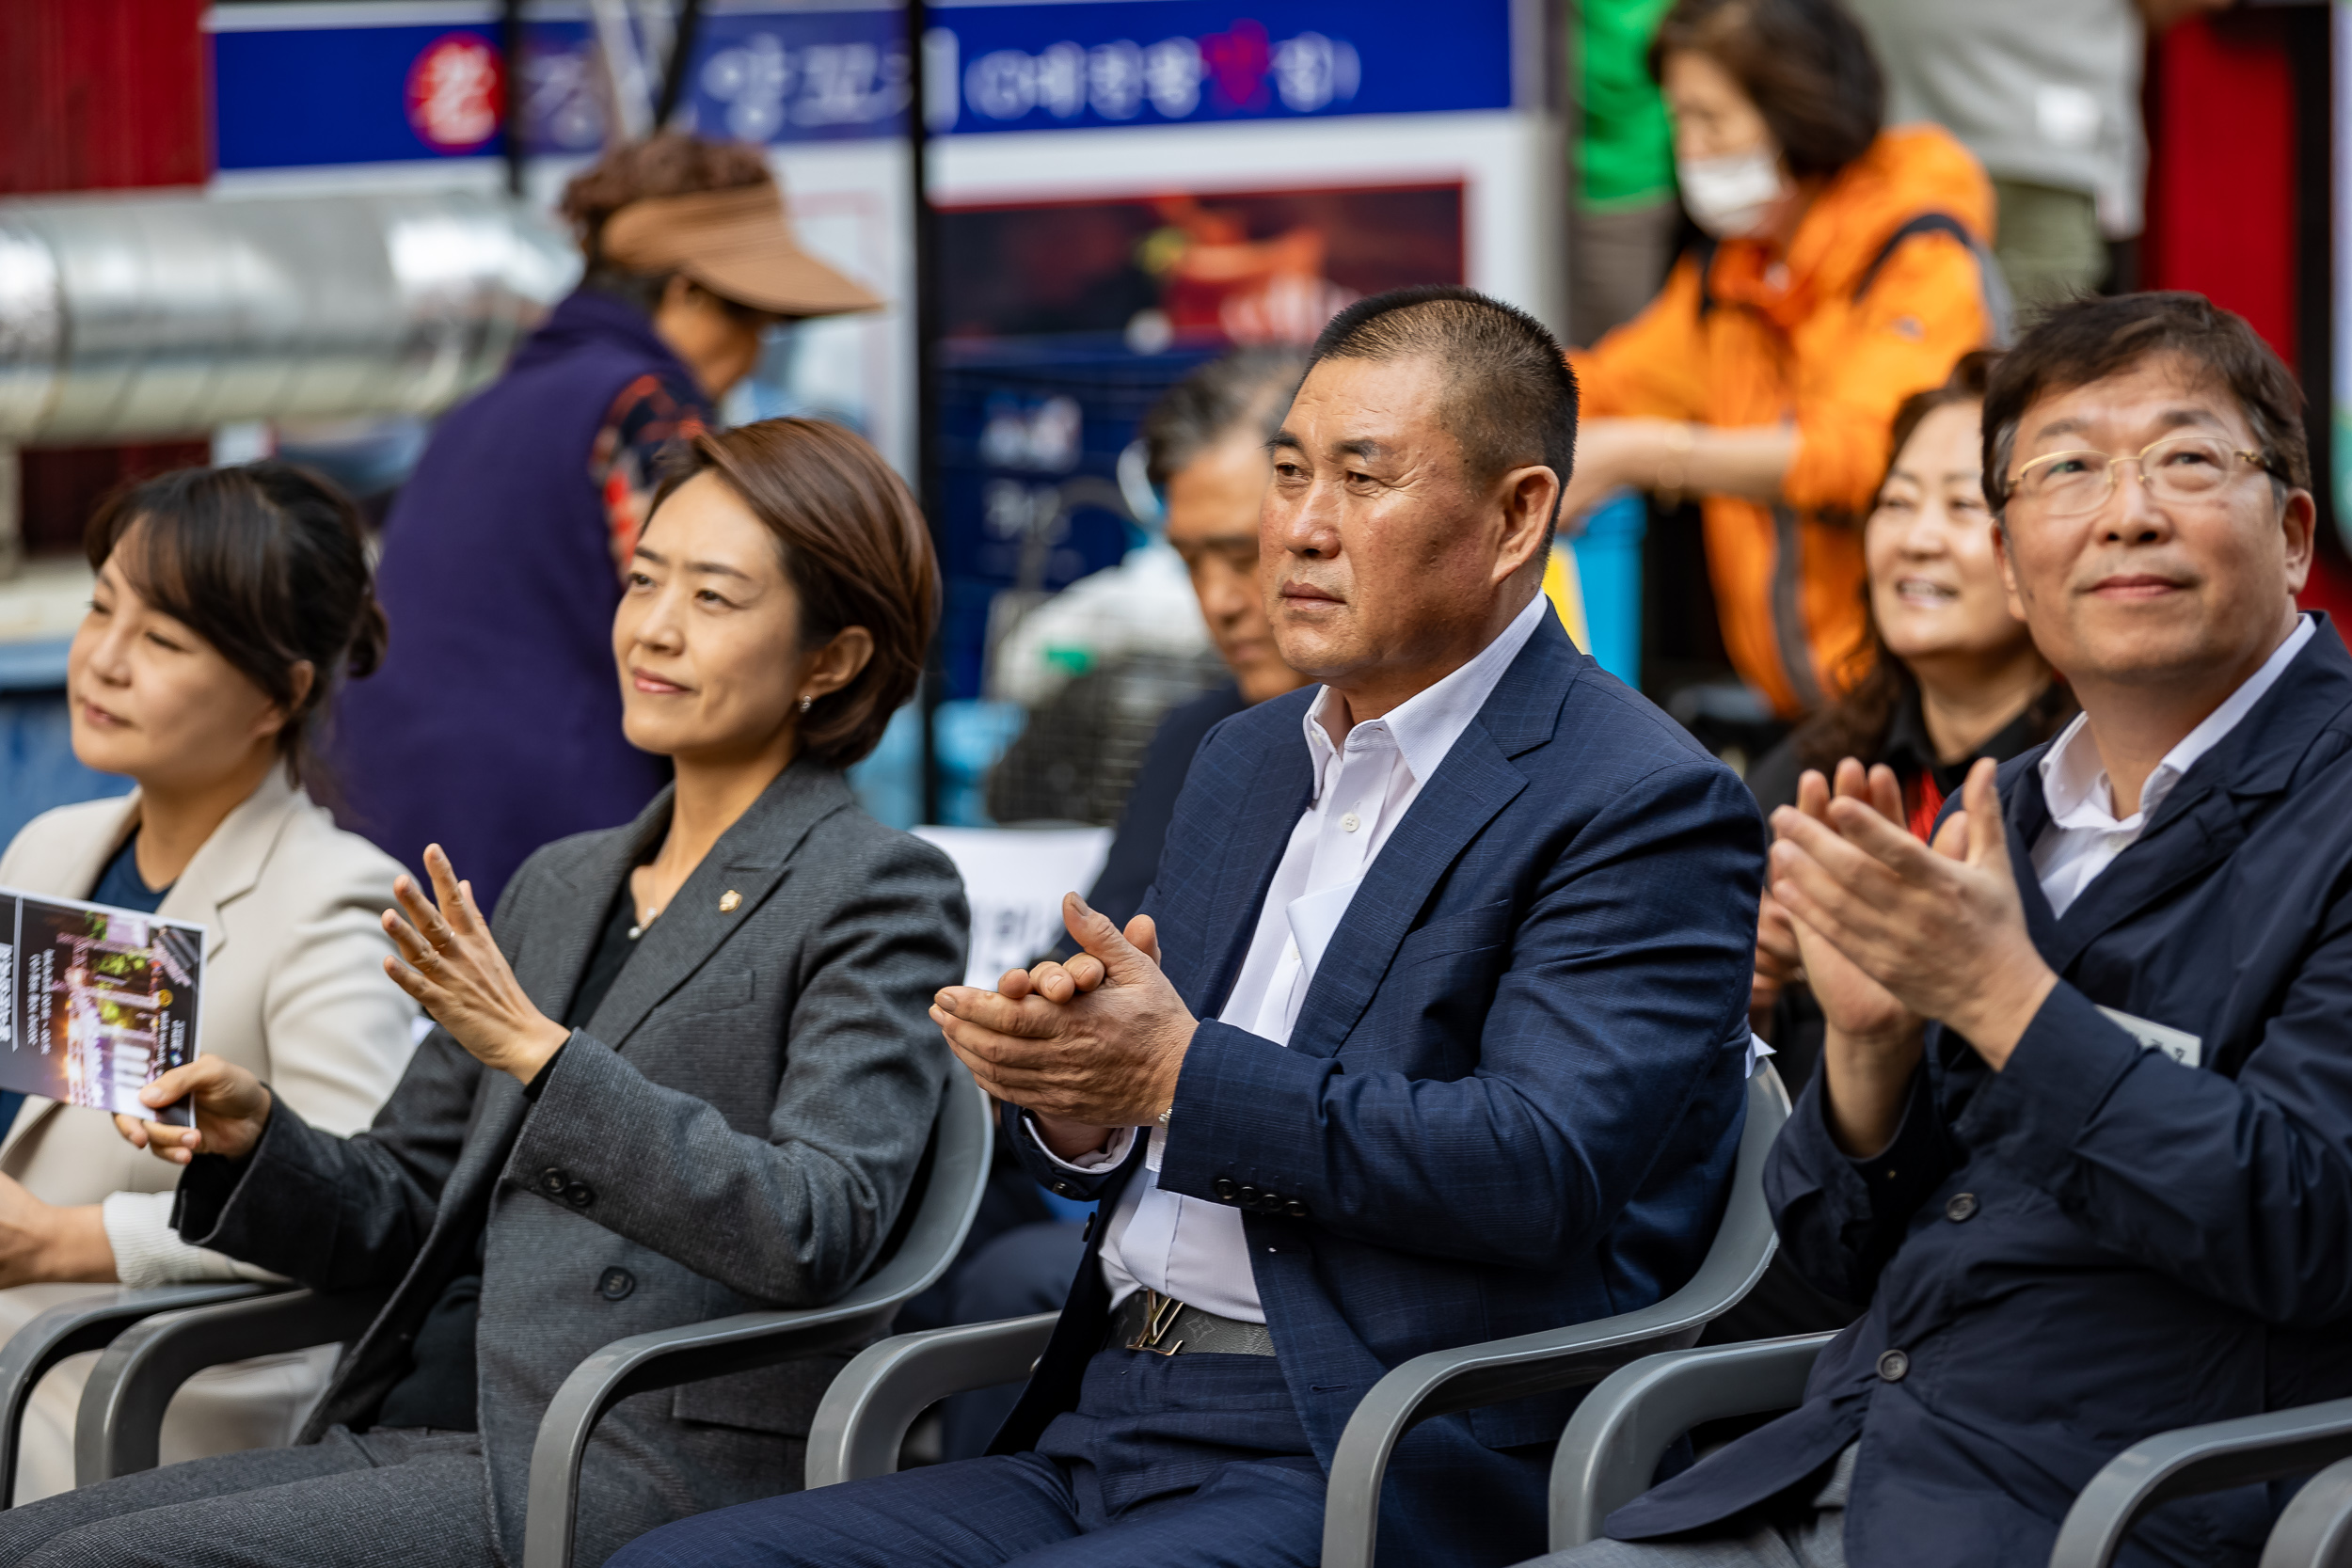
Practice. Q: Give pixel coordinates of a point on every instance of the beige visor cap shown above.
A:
(737, 243)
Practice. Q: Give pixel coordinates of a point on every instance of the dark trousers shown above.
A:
(1025, 1271)
(1169, 1461)
(393, 1498)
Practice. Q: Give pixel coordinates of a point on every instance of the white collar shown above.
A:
(2075, 784)
(1426, 725)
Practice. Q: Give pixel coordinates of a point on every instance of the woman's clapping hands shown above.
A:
(456, 973)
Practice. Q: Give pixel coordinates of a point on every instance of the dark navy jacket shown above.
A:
(1514, 1093)
(2097, 1244)
(494, 725)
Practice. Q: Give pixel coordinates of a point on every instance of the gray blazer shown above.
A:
(737, 1128)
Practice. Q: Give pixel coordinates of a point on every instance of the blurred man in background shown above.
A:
(1206, 442)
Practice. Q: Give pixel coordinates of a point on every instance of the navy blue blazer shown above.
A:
(2097, 1244)
(1514, 1093)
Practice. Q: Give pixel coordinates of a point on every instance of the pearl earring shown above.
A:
(805, 700)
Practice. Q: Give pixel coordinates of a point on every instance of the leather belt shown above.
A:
(1149, 1321)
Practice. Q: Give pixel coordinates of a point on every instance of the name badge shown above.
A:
(2183, 1047)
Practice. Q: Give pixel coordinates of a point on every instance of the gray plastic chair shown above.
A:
(122, 1407)
(90, 1324)
(866, 1411)
(1617, 1436)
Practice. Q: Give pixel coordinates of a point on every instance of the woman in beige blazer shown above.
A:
(226, 603)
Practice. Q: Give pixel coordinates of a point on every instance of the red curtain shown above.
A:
(99, 95)
(2226, 192)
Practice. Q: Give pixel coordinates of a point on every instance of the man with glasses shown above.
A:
(2083, 1134)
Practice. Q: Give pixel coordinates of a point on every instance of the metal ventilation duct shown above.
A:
(129, 318)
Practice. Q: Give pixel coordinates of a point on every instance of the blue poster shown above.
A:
(1179, 62)
(432, 83)
(328, 93)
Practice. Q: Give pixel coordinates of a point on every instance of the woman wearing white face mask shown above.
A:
(1844, 269)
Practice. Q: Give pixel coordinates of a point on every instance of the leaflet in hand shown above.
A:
(96, 1003)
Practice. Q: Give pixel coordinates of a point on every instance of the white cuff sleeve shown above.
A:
(149, 1253)
(1085, 1165)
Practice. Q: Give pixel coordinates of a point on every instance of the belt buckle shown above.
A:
(1159, 1315)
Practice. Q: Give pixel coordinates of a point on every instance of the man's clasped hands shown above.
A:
(1085, 1046)
(1890, 933)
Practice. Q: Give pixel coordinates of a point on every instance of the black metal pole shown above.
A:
(511, 61)
(689, 22)
(927, 328)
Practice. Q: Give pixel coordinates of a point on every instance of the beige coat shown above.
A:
(295, 990)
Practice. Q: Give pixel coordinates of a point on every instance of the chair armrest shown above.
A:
(872, 1402)
(72, 1328)
(122, 1416)
(1464, 1378)
(1611, 1450)
(1444, 1381)
(2315, 1528)
(2212, 1458)
(665, 1360)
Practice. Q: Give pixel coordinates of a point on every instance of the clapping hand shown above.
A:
(1895, 931)
(1086, 1046)
(456, 973)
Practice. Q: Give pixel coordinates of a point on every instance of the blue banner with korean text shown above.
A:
(300, 86)
(316, 91)
(1099, 63)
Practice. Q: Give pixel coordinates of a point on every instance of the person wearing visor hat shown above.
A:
(1842, 268)
(496, 726)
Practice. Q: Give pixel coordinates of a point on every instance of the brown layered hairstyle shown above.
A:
(1804, 63)
(855, 552)
(2093, 339)
(267, 562)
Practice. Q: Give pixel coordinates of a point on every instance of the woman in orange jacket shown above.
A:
(1845, 268)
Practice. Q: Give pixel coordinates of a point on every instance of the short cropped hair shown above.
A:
(1244, 394)
(1510, 396)
(2093, 339)
(1806, 65)
(854, 548)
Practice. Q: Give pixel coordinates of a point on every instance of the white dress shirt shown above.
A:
(2084, 836)
(1195, 1250)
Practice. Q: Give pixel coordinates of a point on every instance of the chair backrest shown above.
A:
(945, 1195)
(1744, 1241)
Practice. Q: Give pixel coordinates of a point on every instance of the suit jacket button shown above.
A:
(615, 1284)
(1062, 1187)
(1225, 1188)
(553, 1180)
(580, 1195)
(1894, 1366)
(1247, 1197)
(1961, 1206)
(1294, 1208)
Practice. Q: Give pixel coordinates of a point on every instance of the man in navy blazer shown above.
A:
(2083, 1138)
(1486, 918)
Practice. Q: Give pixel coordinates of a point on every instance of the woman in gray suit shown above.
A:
(685, 1072)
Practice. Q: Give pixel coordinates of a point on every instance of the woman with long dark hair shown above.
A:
(230, 604)
(1949, 675)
